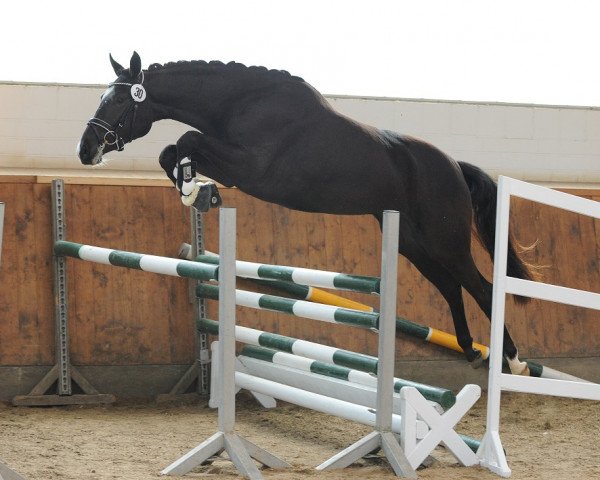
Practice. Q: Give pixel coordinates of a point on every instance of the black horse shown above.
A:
(276, 138)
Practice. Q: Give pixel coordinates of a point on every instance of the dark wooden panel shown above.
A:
(566, 253)
(79, 209)
(9, 292)
(42, 264)
(179, 338)
(27, 322)
(25, 278)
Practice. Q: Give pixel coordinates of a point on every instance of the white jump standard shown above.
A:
(240, 451)
(491, 452)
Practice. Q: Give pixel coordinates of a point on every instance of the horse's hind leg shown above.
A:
(464, 274)
(465, 271)
(447, 285)
(482, 293)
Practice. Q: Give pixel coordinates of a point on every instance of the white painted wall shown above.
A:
(40, 126)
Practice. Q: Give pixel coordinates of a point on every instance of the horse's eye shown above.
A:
(120, 100)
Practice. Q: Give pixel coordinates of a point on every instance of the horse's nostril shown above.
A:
(83, 152)
(81, 148)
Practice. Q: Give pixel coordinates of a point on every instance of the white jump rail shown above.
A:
(491, 452)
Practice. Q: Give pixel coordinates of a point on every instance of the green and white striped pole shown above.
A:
(444, 397)
(325, 355)
(300, 308)
(304, 348)
(408, 327)
(304, 292)
(138, 261)
(301, 276)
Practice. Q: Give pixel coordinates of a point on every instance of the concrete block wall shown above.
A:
(531, 142)
(40, 126)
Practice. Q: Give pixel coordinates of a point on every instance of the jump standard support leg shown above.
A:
(8, 474)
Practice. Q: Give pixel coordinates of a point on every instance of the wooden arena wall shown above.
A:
(128, 318)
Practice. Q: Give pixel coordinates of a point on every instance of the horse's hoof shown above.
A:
(215, 196)
(519, 368)
(475, 358)
(203, 197)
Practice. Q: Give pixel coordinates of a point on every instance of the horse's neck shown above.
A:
(195, 98)
(174, 97)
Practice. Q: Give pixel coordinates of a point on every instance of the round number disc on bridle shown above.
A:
(138, 92)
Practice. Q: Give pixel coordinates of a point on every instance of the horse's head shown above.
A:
(124, 114)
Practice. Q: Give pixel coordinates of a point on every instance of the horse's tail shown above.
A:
(483, 198)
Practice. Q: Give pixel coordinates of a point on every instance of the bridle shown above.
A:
(111, 132)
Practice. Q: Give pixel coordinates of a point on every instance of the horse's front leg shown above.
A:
(182, 172)
(218, 160)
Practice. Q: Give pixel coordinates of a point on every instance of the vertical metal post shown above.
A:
(203, 348)
(387, 320)
(60, 293)
(382, 436)
(227, 247)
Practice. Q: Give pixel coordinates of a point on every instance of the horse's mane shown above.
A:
(201, 64)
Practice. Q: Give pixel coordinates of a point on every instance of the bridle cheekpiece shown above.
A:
(111, 132)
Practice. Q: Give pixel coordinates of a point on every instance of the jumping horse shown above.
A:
(273, 136)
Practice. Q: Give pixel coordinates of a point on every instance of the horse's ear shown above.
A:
(118, 68)
(135, 65)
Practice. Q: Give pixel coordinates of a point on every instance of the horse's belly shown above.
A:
(321, 198)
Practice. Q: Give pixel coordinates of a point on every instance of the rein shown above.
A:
(111, 135)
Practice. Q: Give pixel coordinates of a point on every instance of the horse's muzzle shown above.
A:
(89, 155)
